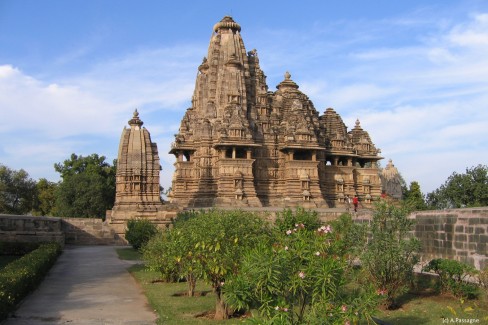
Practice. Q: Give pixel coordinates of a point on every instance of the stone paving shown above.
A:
(87, 285)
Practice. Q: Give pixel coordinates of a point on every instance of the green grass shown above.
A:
(176, 309)
(432, 310)
(424, 306)
(421, 307)
(129, 253)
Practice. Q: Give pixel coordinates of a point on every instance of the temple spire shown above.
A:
(135, 121)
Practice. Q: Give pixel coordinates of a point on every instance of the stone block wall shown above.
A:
(87, 231)
(460, 234)
(15, 228)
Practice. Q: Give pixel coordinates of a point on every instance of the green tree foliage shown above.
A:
(414, 198)
(45, 200)
(453, 277)
(298, 276)
(391, 252)
(87, 188)
(462, 190)
(165, 253)
(139, 232)
(17, 191)
(172, 253)
(210, 247)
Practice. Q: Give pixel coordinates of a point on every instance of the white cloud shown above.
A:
(423, 99)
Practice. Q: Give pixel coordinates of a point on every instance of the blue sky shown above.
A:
(415, 73)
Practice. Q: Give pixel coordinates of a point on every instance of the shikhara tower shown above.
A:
(241, 145)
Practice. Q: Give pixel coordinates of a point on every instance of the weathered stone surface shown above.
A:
(241, 145)
(137, 180)
(391, 181)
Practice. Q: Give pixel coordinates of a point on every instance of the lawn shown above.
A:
(128, 253)
(424, 306)
(168, 302)
(421, 307)
(166, 298)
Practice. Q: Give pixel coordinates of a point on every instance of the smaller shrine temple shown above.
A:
(137, 178)
(391, 181)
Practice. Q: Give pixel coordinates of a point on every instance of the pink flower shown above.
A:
(286, 248)
(222, 283)
(277, 308)
(347, 322)
(317, 253)
(288, 232)
(344, 308)
(285, 309)
(301, 275)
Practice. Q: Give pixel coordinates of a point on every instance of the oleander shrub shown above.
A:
(298, 276)
(139, 232)
(453, 277)
(21, 276)
(391, 252)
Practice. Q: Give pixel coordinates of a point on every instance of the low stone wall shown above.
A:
(15, 228)
(460, 234)
(72, 231)
(87, 231)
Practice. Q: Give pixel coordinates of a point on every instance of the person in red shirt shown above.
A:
(355, 201)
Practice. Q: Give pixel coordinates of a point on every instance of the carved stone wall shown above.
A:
(137, 180)
(391, 181)
(242, 145)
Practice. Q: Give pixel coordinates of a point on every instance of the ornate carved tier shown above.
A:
(242, 145)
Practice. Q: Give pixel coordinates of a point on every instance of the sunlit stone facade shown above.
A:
(241, 145)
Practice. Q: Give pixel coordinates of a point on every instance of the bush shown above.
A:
(161, 255)
(391, 253)
(453, 277)
(299, 276)
(288, 219)
(21, 276)
(139, 231)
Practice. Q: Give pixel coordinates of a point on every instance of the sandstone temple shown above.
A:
(137, 192)
(242, 145)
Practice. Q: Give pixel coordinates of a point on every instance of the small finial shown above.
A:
(287, 75)
(357, 122)
(135, 119)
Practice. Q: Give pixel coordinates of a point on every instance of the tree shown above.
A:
(45, 199)
(414, 198)
(87, 188)
(462, 190)
(17, 191)
(210, 247)
(391, 252)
